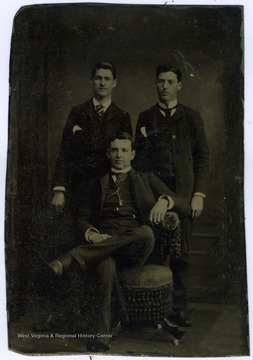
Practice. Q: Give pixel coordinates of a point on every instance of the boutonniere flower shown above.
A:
(76, 128)
(143, 131)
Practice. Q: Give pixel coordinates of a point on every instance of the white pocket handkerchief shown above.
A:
(143, 131)
(76, 128)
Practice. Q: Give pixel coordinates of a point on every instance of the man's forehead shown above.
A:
(121, 143)
(104, 72)
(168, 75)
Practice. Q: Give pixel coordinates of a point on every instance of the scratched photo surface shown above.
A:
(53, 50)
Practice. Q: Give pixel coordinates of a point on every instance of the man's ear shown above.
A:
(179, 85)
(114, 83)
(108, 153)
(133, 154)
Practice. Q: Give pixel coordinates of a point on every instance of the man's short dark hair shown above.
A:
(108, 65)
(168, 67)
(121, 136)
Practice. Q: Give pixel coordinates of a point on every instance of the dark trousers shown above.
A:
(179, 267)
(125, 243)
(118, 244)
(106, 270)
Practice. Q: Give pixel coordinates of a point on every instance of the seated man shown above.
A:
(116, 213)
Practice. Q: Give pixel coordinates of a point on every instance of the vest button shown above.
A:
(174, 137)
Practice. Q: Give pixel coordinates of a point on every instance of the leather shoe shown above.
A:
(172, 329)
(180, 321)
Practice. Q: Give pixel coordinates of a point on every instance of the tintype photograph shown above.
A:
(124, 230)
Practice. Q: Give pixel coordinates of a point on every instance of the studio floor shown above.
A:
(217, 331)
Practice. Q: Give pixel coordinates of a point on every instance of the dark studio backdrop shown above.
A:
(53, 50)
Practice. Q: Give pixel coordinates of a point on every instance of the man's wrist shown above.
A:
(59, 188)
(90, 232)
(169, 200)
(197, 193)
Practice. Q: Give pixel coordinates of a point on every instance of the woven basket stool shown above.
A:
(147, 292)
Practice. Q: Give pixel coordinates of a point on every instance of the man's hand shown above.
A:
(197, 204)
(96, 237)
(58, 201)
(158, 212)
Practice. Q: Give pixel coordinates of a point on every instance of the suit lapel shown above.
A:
(104, 185)
(179, 113)
(134, 184)
(155, 112)
(110, 112)
(89, 108)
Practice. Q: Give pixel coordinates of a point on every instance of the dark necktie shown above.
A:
(167, 111)
(100, 110)
(119, 177)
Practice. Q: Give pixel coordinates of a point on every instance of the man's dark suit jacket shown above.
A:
(147, 188)
(85, 138)
(189, 144)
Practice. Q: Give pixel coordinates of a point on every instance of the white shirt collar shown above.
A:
(168, 106)
(105, 104)
(171, 105)
(122, 171)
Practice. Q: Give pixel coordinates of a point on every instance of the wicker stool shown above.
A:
(147, 292)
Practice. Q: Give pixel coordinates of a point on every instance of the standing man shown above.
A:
(82, 153)
(82, 157)
(171, 143)
(117, 211)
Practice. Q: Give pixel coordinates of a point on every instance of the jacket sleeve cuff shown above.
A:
(200, 194)
(170, 201)
(89, 232)
(59, 188)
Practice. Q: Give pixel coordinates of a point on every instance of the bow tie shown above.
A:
(167, 111)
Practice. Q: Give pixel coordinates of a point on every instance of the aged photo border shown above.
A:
(248, 146)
